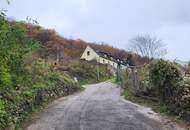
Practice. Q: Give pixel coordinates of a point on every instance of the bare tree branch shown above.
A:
(148, 46)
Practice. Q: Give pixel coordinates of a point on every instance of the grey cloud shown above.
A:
(113, 21)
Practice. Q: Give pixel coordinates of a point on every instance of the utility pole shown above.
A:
(119, 72)
(98, 70)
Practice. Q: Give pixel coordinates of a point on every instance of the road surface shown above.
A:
(99, 107)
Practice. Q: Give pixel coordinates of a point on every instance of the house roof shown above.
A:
(111, 57)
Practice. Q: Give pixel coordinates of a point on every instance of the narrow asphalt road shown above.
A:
(99, 107)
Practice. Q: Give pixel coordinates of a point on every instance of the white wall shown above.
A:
(107, 62)
(92, 56)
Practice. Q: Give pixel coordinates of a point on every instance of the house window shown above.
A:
(88, 53)
(103, 61)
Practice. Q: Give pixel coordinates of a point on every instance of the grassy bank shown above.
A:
(86, 72)
(154, 104)
(157, 107)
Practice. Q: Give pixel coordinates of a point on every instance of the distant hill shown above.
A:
(54, 43)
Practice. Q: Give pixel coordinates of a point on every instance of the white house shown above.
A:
(90, 54)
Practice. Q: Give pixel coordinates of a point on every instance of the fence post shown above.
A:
(135, 79)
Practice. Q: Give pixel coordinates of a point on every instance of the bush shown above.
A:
(40, 84)
(163, 80)
(146, 88)
(3, 115)
(174, 90)
(138, 80)
(180, 102)
(164, 75)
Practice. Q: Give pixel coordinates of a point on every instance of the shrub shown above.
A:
(139, 81)
(164, 75)
(40, 84)
(3, 114)
(146, 87)
(161, 79)
(173, 89)
(180, 102)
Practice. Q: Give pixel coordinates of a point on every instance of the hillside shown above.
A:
(56, 46)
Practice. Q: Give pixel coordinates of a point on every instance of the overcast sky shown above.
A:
(112, 21)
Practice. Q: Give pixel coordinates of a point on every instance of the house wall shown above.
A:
(108, 62)
(114, 64)
(92, 54)
(89, 55)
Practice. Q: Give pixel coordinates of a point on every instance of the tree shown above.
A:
(121, 54)
(44, 36)
(148, 46)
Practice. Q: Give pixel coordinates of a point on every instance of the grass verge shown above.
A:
(156, 106)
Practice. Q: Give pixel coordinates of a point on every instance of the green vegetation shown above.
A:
(164, 76)
(87, 73)
(25, 82)
(162, 86)
(28, 79)
(173, 89)
(113, 80)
